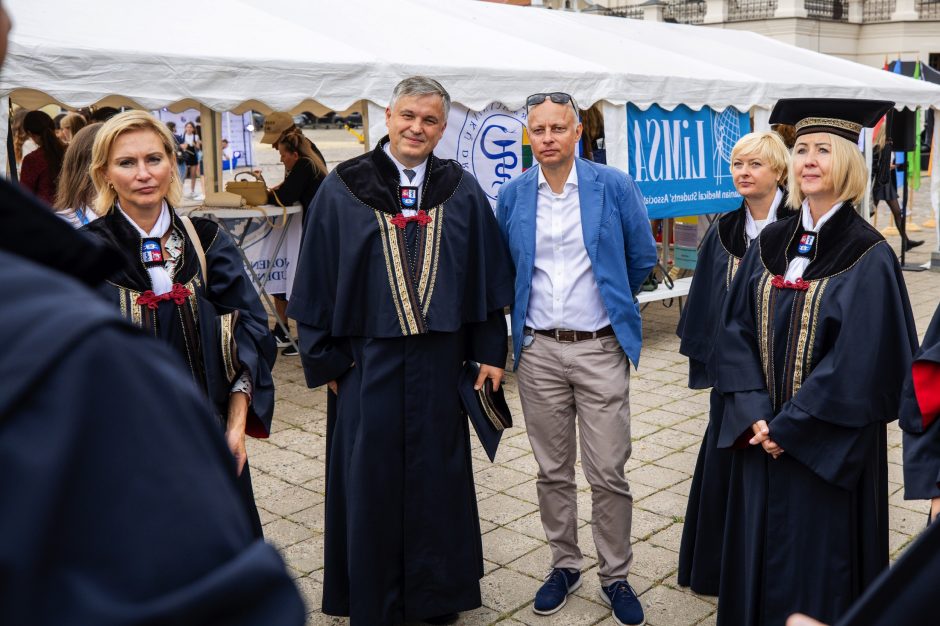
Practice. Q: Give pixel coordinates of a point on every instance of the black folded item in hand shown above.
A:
(486, 408)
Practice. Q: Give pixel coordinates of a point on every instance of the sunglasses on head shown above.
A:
(558, 97)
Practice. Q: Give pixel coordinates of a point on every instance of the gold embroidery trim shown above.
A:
(387, 250)
(432, 251)
(226, 323)
(733, 264)
(765, 330)
(807, 337)
(828, 121)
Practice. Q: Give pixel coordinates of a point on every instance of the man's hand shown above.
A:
(333, 386)
(235, 429)
(488, 371)
(934, 509)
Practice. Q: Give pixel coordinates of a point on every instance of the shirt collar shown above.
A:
(750, 224)
(418, 169)
(808, 216)
(571, 180)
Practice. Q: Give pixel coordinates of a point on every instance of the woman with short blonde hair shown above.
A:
(759, 165)
(183, 281)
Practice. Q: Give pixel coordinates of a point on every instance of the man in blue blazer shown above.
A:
(581, 243)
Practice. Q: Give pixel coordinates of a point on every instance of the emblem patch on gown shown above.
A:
(806, 245)
(409, 197)
(151, 253)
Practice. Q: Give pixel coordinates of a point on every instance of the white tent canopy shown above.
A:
(280, 54)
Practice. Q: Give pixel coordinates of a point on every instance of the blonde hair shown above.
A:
(73, 122)
(847, 171)
(121, 123)
(769, 147)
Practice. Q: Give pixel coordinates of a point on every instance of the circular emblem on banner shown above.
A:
(492, 146)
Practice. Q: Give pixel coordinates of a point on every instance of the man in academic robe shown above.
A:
(119, 497)
(401, 278)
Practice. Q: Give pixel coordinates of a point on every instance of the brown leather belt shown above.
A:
(561, 334)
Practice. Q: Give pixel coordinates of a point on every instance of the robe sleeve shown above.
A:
(740, 374)
(920, 406)
(637, 235)
(486, 341)
(324, 358)
(699, 318)
(858, 378)
(230, 289)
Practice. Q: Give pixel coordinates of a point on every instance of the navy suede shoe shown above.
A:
(553, 594)
(624, 604)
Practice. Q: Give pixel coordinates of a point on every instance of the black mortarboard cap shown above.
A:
(486, 408)
(844, 117)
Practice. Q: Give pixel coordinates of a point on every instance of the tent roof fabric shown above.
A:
(329, 54)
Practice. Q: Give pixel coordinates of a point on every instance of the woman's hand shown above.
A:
(489, 371)
(235, 429)
(762, 437)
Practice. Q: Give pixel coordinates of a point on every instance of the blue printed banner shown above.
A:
(681, 159)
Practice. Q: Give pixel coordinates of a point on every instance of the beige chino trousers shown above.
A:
(587, 381)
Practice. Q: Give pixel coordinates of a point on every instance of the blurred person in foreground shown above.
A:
(210, 315)
(759, 165)
(815, 339)
(119, 502)
(402, 276)
(75, 192)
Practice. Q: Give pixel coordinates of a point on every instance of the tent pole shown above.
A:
(211, 163)
(373, 123)
(7, 155)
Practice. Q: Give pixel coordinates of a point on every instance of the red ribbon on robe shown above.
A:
(780, 283)
(178, 294)
(421, 217)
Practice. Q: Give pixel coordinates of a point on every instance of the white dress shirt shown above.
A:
(417, 181)
(753, 227)
(564, 293)
(799, 264)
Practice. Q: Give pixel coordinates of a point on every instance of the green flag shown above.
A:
(913, 158)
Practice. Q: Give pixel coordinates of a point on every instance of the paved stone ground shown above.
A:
(667, 425)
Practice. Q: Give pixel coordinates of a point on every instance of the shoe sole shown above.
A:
(571, 590)
(281, 343)
(603, 596)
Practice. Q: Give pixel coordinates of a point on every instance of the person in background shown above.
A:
(278, 123)
(75, 192)
(180, 157)
(164, 289)
(304, 171)
(806, 402)
(71, 124)
(40, 170)
(190, 145)
(102, 114)
(579, 237)
(884, 186)
(759, 164)
(57, 120)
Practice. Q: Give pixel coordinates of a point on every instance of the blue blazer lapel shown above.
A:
(591, 196)
(527, 201)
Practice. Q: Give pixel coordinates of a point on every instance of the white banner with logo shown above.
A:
(491, 144)
(259, 246)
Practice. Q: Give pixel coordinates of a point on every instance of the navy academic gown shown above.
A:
(210, 346)
(719, 257)
(391, 313)
(119, 500)
(823, 364)
(920, 410)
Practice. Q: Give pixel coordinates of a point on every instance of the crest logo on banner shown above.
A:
(491, 144)
(681, 159)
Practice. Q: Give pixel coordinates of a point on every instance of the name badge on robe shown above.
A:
(151, 253)
(807, 245)
(409, 197)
